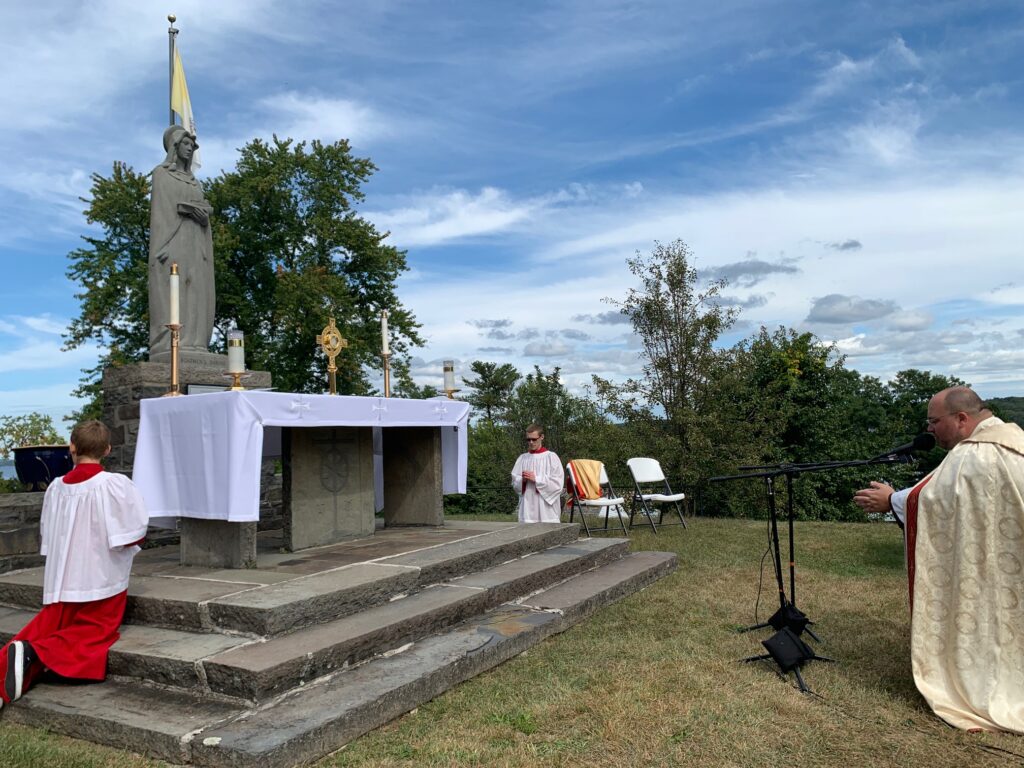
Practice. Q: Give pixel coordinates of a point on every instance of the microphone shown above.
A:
(923, 442)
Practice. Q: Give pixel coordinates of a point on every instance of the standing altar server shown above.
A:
(538, 478)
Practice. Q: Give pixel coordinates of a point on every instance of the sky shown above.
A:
(852, 169)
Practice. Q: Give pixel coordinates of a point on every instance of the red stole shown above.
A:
(911, 531)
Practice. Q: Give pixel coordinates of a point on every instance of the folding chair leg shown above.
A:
(618, 514)
(680, 513)
(646, 512)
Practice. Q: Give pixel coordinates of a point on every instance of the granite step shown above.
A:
(265, 669)
(446, 561)
(267, 603)
(320, 717)
(251, 669)
(9, 563)
(165, 656)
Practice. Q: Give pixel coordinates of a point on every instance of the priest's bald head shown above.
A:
(953, 414)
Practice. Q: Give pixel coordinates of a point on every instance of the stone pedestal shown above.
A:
(412, 476)
(125, 385)
(217, 543)
(327, 485)
(209, 543)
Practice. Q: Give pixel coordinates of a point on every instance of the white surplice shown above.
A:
(540, 501)
(967, 630)
(83, 532)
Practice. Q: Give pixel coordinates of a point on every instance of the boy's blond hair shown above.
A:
(91, 439)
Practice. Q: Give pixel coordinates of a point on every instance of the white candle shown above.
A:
(449, 375)
(384, 348)
(175, 296)
(236, 352)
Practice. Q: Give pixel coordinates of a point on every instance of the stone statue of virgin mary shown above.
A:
(179, 232)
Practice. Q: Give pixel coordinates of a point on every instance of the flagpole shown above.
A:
(171, 34)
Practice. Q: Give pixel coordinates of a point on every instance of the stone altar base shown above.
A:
(412, 476)
(327, 485)
(281, 664)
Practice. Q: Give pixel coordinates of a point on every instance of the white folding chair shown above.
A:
(607, 504)
(647, 476)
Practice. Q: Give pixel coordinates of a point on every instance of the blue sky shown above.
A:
(854, 169)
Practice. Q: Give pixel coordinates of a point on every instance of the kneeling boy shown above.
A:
(91, 526)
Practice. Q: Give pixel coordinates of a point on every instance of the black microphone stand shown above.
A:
(786, 647)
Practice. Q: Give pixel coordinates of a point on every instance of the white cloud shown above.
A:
(307, 117)
(441, 216)
(45, 355)
(45, 324)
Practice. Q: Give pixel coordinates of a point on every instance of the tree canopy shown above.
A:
(290, 252)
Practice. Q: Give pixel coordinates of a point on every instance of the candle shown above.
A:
(384, 348)
(236, 352)
(173, 314)
(449, 375)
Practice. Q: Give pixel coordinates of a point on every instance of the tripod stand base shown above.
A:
(787, 650)
(787, 617)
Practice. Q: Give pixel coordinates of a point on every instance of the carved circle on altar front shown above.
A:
(334, 470)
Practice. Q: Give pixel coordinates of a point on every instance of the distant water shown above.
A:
(7, 469)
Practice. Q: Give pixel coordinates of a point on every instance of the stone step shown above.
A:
(19, 539)
(10, 563)
(246, 600)
(309, 600)
(251, 669)
(447, 561)
(318, 718)
(126, 715)
(265, 669)
(164, 656)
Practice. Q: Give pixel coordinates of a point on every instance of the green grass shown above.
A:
(654, 680)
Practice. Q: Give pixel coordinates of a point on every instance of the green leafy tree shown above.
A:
(290, 252)
(675, 400)
(492, 388)
(31, 429)
(113, 273)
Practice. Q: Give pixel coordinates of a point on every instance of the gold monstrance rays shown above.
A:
(331, 343)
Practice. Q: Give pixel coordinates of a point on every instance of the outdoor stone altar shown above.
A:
(198, 459)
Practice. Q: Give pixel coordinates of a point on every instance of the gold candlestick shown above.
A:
(387, 373)
(175, 329)
(236, 380)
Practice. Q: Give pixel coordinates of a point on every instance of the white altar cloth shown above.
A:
(199, 455)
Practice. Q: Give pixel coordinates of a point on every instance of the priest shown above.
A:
(965, 553)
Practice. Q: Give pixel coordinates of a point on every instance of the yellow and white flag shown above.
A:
(181, 103)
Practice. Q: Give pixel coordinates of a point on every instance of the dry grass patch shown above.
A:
(655, 679)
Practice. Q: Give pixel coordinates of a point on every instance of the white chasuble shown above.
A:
(84, 530)
(967, 628)
(540, 501)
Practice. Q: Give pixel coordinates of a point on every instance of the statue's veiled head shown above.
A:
(177, 155)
